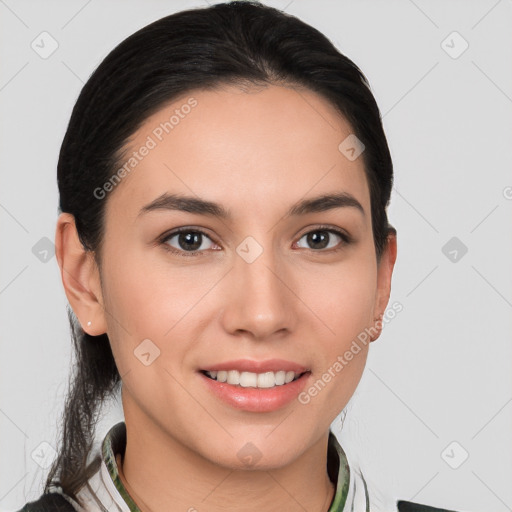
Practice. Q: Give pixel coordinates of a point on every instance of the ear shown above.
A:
(384, 274)
(80, 276)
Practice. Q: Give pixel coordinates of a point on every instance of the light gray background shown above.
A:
(441, 370)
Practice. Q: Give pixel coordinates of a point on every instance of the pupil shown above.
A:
(313, 239)
(191, 241)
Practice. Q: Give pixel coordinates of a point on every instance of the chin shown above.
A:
(255, 452)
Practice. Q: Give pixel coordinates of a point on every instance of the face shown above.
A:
(263, 282)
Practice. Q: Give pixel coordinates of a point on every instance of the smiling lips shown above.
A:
(256, 374)
(258, 387)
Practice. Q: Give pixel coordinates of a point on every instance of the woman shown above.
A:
(223, 243)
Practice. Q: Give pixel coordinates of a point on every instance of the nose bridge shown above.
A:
(260, 302)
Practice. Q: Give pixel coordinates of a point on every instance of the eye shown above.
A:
(322, 238)
(186, 242)
(192, 242)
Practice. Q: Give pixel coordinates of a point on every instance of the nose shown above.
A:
(260, 300)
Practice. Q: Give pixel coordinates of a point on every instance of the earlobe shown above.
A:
(384, 275)
(80, 277)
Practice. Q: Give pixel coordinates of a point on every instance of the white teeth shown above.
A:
(289, 377)
(253, 380)
(233, 377)
(266, 380)
(248, 379)
(280, 377)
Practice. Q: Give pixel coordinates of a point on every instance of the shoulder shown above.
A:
(49, 502)
(408, 506)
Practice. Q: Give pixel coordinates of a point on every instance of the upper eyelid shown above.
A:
(186, 229)
(326, 227)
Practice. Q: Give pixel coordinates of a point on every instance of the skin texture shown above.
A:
(257, 152)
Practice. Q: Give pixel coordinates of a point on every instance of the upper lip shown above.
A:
(248, 365)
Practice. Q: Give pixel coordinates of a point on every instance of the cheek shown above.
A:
(150, 297)
(143, 306)
(147, 298)
(343, 297)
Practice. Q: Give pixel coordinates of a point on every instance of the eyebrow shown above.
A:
(209, 208)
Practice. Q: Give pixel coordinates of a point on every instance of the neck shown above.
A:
(162, 475)
(291, 504)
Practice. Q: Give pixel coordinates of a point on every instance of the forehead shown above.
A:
(254, 150)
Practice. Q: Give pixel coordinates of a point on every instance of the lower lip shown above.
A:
(257, 399)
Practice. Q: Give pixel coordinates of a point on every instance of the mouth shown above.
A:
(245, 379)
(256, 386)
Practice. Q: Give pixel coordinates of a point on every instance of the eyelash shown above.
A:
(163, 241)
